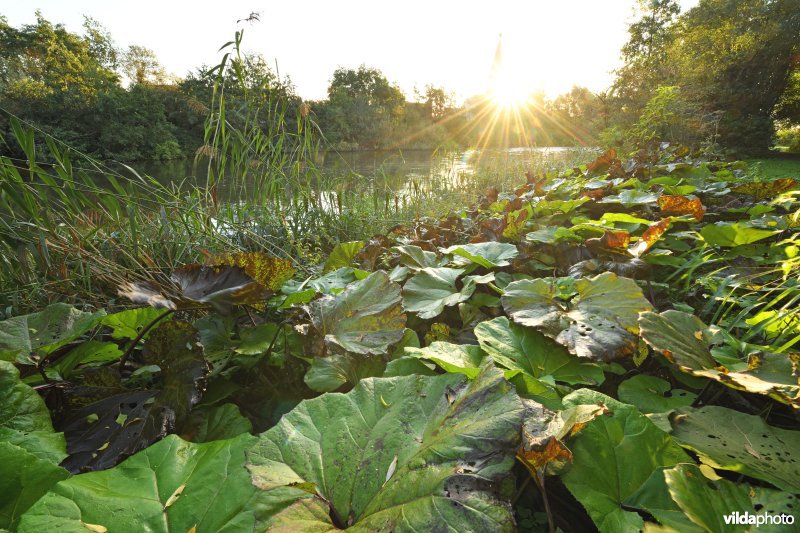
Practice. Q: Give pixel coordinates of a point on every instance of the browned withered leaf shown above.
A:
(649, 237)
(544, 433)
(681, 205)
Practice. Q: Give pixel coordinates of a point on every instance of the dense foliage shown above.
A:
(623, 334)
(723, 75)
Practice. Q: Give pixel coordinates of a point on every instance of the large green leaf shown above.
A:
(127, 324)
(342, 255)
(24, 478)
(25, 420)
(686, 341)
(680, 337)
(29, 337)
(416, 258)
(653, 395)
(706, 501)
(613, 456)
(600, 322)
(171, 486)
(29, 449)
(430, 290)
(730, 440)
(463, 358)
(216, 422)
(412, 453)
(329, 373)
(519, 348)
(654, 498)
(486, 254)
(365, 318)
(724, 234)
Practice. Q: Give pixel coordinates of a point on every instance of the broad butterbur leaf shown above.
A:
(599, 323)
(653, 395)
(416, 258)
(331, 372)
(29, 448)
(734, 234)
(30, 337)
(686, 341)
(342, 255)
(449, 441)
(219, 287)
(107, 431)
(521, 348)
(463, 358)
(129, 323)
(613, 456)
(173, 485)
(730, 440)
(365, 318)
(24, 418)
(430, 290)
(485, 254)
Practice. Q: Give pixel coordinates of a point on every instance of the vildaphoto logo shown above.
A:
(758, 519)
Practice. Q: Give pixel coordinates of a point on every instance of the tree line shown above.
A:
(723, 75)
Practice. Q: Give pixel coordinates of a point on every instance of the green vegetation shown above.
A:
(723, 76)
(590, 318)
(610, 345)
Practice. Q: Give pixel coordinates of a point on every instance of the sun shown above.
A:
(508, 89)
(509, 93)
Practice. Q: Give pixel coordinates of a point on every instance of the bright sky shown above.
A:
(547, 44)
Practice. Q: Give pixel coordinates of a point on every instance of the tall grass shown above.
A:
(73, 229)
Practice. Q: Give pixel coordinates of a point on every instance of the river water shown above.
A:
(398, 168)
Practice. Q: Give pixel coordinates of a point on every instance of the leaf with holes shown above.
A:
(365, 318)
(730, 440)
(450, 440)
(29, 338)
(599, 323)
(520, 348)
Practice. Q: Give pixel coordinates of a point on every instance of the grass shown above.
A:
(779, 166)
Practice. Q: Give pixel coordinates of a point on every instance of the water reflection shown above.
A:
(401, 170)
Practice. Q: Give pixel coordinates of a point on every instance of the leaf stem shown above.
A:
(142, 333)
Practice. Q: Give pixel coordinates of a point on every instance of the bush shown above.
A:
(789, 138)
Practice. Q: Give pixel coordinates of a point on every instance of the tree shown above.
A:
(364, 105)
(646, 53)
(141, 65)
(737, 58)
